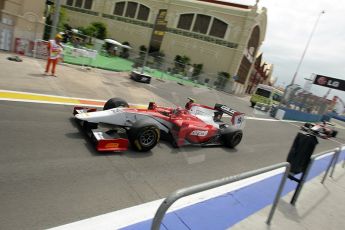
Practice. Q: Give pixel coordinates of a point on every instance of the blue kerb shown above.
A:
(228, 209)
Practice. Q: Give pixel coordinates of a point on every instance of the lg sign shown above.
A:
(329, 82)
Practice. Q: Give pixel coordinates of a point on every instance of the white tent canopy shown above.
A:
(111, 41)
(126, 47)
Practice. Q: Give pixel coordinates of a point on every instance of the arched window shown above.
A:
(119, 8)
(203, 24)
(185, 21)
(143, 13)
(218, 28)
(78, 3)
(69, 2)
(86, 4)
(132, 10)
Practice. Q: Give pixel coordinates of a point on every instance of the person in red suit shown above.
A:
(54, 54)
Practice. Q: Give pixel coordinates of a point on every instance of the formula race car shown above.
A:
(322, 130)
(118, 125)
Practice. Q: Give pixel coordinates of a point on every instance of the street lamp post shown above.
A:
(56, 16)
(306, 47)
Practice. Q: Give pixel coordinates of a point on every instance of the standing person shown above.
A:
(54, 53)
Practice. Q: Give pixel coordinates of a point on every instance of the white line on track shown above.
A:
(334, 140)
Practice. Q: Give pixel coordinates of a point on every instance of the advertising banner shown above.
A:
(329, 82)
(23, 46)
(41, 49)
(158, 31)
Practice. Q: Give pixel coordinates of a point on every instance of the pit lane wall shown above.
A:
(336, 116)
(294, 115)
(218, 208)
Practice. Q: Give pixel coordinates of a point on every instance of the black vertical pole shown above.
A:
(301, 183)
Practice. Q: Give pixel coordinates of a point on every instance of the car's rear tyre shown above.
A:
(334, 133)
(143, 135)
(115, 103)
(232, 137)
(308, 125)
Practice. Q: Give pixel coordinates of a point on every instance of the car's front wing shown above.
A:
(104, 140)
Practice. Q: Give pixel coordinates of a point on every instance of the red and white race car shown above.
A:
(323, 129)
(118, 125)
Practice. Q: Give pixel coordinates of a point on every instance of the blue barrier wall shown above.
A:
(336, 116)
(295, 115)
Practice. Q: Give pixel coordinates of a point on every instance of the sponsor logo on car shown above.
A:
(199, 133)
(116, 110)
(225, 108)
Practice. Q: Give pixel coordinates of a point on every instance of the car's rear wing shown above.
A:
(237, 118)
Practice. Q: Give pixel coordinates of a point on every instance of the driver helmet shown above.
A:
(152, 106)
(177, 111)
(189, 103)
(316, 128)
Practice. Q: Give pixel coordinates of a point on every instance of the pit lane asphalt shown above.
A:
(51, 175)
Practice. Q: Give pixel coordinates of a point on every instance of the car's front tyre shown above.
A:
(143, 135)
(115, 103)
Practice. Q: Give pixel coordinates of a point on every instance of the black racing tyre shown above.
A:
(114, 103)
(308, 125)
(252, 104)
(334, 133)
(143, 135)
(232, 137)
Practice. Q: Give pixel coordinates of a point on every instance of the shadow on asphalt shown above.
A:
(295, 214)
(134, 154)
(338, 176)
(38, 75)
(191, 148)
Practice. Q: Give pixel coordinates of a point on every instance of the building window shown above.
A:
(143, 13)
(131, 9)
(185, 21)
(69, 2)
(202, 23)
(78, 3)
(88, 4)
(119, 8)
(218, 28)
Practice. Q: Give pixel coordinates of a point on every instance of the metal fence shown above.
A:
(172, 198)
(331, 166)
(299, 99)
(120, 57)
